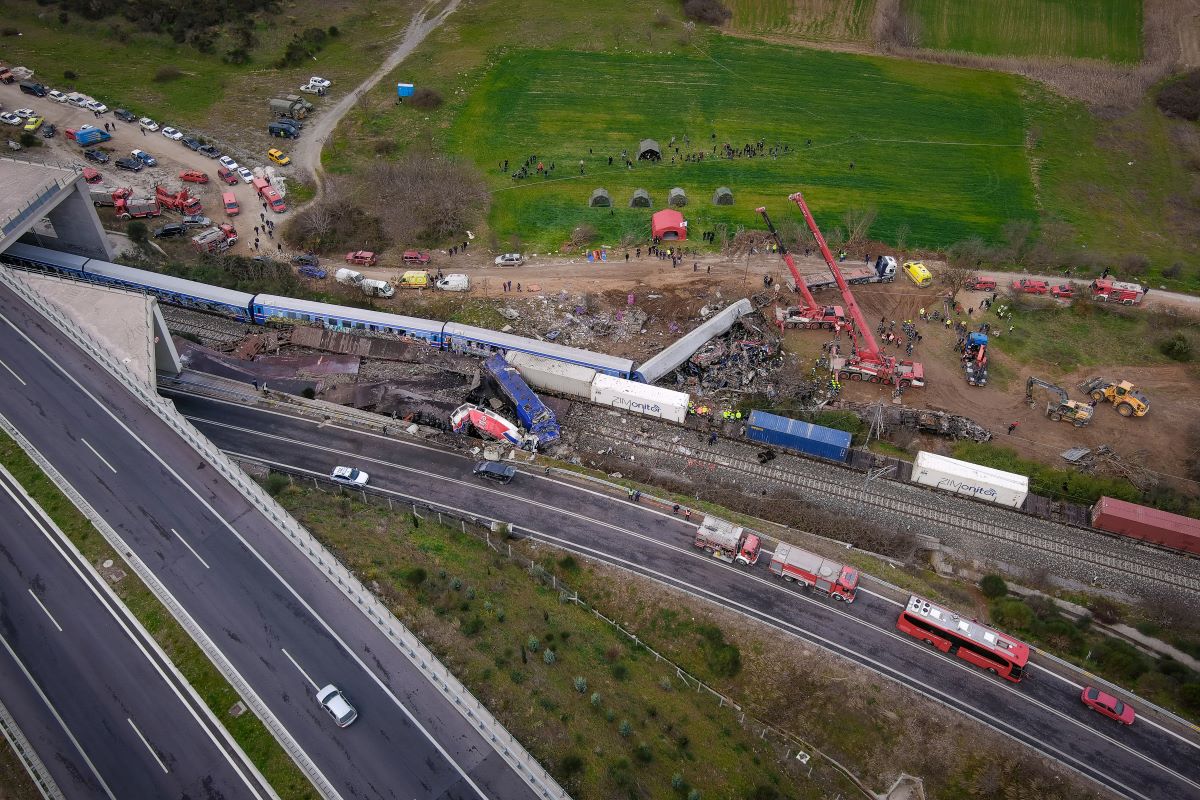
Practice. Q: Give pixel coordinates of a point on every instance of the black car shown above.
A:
(131, 164)
(306, 259)
(209, 151)
(125, 116)
(192, 143)
(99, 156)
(494, 471)
(49, 131)
(170, 229)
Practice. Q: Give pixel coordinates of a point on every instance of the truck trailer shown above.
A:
(973, 480)
(794, 434)
(726, 541)
(531, 411)
(839, 581)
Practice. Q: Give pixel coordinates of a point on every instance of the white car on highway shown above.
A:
(148, 124)
(349, 476)
(247, 175)
(57, 96)
(319, 82)
(333, 701)
(228, 163)
(172, 134)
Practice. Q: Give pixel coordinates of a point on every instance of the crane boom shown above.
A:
(787, 259)
(870, 351)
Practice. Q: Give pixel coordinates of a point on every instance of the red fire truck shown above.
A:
(809, 569)
(1106, 290)
(998, 653)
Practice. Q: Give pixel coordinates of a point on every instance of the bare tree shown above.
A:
(901, 236)
(858, 222)
(425, 196)
(955, 278)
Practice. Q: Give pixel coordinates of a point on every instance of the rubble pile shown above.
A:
(744, 359)
(939, 423)
(1106, 461)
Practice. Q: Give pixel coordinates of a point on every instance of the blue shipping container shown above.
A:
(815, 440)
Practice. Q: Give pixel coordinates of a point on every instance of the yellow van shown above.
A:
(918, 272)
(414, 279)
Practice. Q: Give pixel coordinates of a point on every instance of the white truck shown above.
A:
(973, 480)
(376, 288)
(455, 282)
(726, 541)
(348, 277)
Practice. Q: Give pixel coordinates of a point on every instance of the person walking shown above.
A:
(1012, 426)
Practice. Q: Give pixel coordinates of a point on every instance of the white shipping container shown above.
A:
(973, 480)
(640, 398)
(547, 374)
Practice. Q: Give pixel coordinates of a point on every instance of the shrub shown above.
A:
(1181, 98)
(625, 728)
(69, 75)
(580, 684)
(549, 657)
(1105, 610)
(677, 781)
(643, 753)
(1177, 348)
(993, 586)
(276, 483)
(456, 583)
(595, 699)
(533, 645)
(472, 626)
(1120, 660)
(308, 393)
(29, 139)
(694, 794)
(426, 99)
(167, 74)
(137, 231)
(1189, 696)
(334, 32)
(711, 12)
(415, 576)
(723, 659)
(620, 671)
(1010, 612)
(570, 764)
(1174, 271)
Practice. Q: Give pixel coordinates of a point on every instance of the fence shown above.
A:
(789, 743)
(34, 765)
(450, 687)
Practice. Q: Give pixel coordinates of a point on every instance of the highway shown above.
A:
(276, 618)
(1143, 761)
(100, 704)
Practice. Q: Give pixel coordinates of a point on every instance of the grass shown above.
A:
(960, 125)
(218, 695)
(1101, 29)
(836, 20)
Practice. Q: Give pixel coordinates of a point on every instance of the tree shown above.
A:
(955, 279)
(858, 222)
(426, 196)
(993, 586)
(137, 231)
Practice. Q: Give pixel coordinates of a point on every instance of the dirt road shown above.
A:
(306, 152)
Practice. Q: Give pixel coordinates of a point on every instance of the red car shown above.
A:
(193, 176)
(415, 257)
(1030, 286)
(91, 176)
(1107, 705)
(1064, 291)
(980, 284)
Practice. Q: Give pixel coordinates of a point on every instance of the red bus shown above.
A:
(978, 644)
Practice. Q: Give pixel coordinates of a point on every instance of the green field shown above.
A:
(839, 20)
(1104, 29)
(936, 150)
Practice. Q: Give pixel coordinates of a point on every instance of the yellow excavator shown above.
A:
(1061, 407)
(1128, 399)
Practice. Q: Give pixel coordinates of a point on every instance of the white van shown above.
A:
(456, 282)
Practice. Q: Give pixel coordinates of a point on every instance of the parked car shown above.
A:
(49, 131)
(308, 88)
(333, 701)
(148, 124)
(319, 82)
(97, 106)
(494, 471)
(33, 123)
(1030, 286)
(227, 175)
(172, 134)
(56, 96)
(415, 257)
(99, 156)
(1064, 291)
(193, 176)
(1107, 705)
(279, 157)
(228, 163)
(196, 221)
(306, 258)
(510, 260)
(131, 164)
(208, 150)
(78, 100)
(349, 476)
(980, 284)
(91, 176)
(246, 175)
(168, 230)
(24, 113)
(10, 118)
(311, 271)
(191, 143)
(125, 116)
(145, 158)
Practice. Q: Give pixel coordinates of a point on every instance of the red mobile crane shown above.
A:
(866, 363)
(811, 315)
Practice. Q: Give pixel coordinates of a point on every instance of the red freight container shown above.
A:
(1150, 524)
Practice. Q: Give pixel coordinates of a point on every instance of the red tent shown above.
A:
(668, 225)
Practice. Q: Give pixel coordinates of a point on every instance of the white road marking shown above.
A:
(14, 374)
(263, 561)
(61, 723)
(299, 668)
(189, 547)
(89, 447)
(148, 747)
(43, 607)
(906, 640)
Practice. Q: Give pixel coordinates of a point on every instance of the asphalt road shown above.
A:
(98, 702)
(1044, 711)
(281, 623)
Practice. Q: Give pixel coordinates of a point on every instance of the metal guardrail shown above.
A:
(34, 765)
(503, 742)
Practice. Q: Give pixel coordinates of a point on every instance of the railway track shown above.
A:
(1055, 545)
